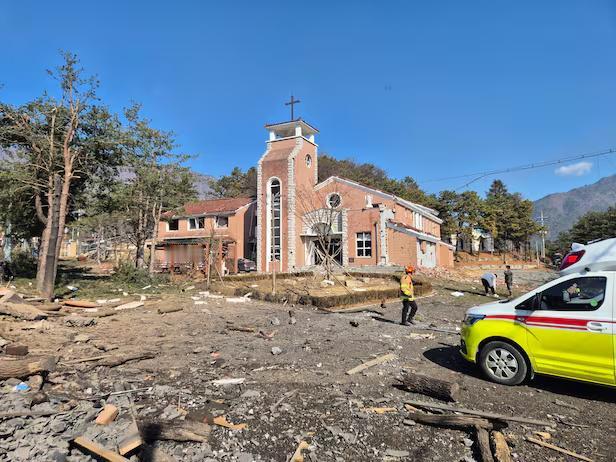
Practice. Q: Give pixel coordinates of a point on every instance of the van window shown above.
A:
(579, 294)
(528, 304)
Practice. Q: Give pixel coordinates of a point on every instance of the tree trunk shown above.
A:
(49, 276)
(64, 197)
(8, 242)
(43, 249)
(430, 386)
(157, 214)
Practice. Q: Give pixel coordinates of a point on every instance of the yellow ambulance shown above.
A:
(565, 328)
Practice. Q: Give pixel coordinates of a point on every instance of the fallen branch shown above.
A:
(557, 449)
(373, 362)
(85, 360)
(20, 368)
(122, 359)
(222, 421)
(175, 430)
(459, 422)
(430, 386)
(242, 329)
(169, 309)
(487, 415)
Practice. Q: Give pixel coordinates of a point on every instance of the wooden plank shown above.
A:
(129, 306)
(20, 368)
(131, 441)
(80, 303)
(558, 449)
(107, 415)
(459, 422)
(93, 448)
(501, 448)
(483, 444)
(373, 362)
(487, 415)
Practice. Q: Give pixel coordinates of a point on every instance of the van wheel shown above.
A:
(503, 363)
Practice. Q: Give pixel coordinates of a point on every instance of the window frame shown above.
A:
(217, 225)
(363, 251)
(587, 307)
(329, 198)
(198, 221)
(173, 220)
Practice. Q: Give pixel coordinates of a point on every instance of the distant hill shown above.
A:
(202, 182)
(563, 209)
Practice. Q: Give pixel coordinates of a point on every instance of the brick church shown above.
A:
(295, 222)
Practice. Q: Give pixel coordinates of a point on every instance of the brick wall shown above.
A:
(402, 248)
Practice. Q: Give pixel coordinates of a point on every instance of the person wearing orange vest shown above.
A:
(407, 294)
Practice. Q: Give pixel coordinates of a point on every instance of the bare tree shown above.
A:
(321, 218)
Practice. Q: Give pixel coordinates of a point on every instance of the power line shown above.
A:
(547, 163)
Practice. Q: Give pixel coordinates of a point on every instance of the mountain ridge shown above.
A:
(563, 209)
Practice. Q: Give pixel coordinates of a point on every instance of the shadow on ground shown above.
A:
(449, 358)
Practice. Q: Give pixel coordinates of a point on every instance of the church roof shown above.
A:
(212, 206)
(311, 128)
(403, 202)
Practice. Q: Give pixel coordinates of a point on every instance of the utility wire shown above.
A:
(547, 163)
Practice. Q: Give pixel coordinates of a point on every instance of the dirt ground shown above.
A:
(302, 393)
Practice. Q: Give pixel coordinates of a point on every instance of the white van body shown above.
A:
(566, 327)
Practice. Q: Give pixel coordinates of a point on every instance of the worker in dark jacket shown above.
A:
(407, 294)
(509, 279)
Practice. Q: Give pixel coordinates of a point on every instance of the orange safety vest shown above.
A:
(406, 288)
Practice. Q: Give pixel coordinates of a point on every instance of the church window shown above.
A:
(275, 221)
(364, 245)
(308, 160)
(334, 200)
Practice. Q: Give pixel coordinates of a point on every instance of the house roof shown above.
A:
(427, 211)
(212, 206)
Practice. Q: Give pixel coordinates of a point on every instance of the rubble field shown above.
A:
(247, 380)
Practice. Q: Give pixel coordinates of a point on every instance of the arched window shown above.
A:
(274, 207)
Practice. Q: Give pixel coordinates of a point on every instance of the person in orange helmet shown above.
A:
(407, 294)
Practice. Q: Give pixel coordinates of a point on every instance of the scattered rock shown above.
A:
(276, 350)
(79, 321)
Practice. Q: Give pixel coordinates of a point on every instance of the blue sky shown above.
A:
(426, 89)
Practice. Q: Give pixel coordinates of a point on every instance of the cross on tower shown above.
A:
(291, 103)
